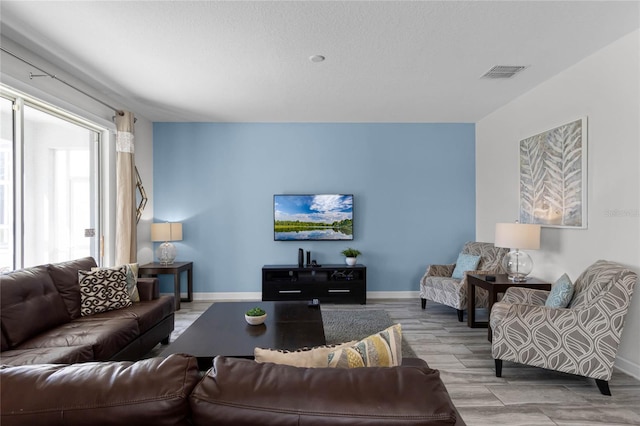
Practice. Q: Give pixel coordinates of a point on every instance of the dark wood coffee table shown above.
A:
(222, 330)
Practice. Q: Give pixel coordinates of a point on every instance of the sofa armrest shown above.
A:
(438, 271)
(526, 296)
(148, 288)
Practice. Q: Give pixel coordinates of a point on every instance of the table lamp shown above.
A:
(166, 232)
(516, 236)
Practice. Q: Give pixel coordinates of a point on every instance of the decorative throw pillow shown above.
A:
(465, 262)
(383, 349)
(102, 290)
(130, 270)
(315, 357)
(561, 293)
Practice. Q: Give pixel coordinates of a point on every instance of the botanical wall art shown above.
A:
(553, 176)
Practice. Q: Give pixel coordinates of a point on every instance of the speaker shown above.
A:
(308, 258)
(300, 258)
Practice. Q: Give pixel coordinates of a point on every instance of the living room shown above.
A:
(422, 186)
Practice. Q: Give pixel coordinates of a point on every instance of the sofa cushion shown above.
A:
(383, 349)
(58, 355)
(103, 290)
(30, 304)
(65, 278)
(241, 392)
(149, 392)
(106, 337)
(147, 314)
(305, 357)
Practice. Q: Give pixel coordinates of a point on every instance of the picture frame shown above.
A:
(553, 177)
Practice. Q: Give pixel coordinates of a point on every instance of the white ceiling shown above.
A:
(396, 61)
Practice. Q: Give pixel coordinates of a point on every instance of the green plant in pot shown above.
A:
(350, 254)
(255, 316)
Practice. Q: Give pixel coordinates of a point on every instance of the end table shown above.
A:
(500, 285)
(154, 269)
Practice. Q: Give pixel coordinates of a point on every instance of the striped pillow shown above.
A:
(306, 357)
(383, 349)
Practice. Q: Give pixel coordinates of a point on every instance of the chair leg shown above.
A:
(424, 303)
(460, 314)
(603, 385)
(498, 367)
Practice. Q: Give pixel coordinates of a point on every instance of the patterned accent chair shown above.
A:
(438, 286)
(581, 339)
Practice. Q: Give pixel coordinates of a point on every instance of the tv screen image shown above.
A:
(316, 217)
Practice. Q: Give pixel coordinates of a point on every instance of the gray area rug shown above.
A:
(343, 326)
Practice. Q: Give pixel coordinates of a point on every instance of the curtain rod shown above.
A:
(48, 74)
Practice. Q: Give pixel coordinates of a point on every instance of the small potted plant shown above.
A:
(255, 316)
(351, 255)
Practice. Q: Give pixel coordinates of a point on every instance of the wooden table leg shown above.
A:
(190, 285)
(176, 285)
(471, 304)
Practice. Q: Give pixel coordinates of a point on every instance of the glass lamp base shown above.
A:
(518, 265)
(166, 253)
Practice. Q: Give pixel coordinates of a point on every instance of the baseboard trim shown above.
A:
(628, 367)
(240, 296)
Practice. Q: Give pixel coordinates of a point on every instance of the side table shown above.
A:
(155, 269)
(500, 285)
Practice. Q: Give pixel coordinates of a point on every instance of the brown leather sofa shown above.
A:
(40, 319)
(235, 392)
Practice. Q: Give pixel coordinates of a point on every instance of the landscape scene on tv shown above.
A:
(312, 217)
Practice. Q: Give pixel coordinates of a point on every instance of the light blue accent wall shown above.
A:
(414, 188)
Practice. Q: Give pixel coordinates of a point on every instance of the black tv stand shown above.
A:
(327, 283)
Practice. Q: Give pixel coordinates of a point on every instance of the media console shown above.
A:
(327, 283)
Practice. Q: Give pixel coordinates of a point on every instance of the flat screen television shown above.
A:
(312, 217)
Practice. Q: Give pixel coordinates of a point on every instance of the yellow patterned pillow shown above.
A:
(306, 357)
(383, 349)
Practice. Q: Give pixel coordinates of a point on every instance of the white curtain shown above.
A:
(126, 232)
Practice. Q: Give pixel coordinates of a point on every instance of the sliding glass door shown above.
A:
(55, 190)
(6, 186)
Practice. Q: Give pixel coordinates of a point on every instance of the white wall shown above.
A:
(605, 88)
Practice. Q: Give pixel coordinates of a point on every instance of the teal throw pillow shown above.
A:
(465, 262)
(561, 293)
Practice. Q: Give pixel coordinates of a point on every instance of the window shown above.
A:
(56, 187)
(6, 185)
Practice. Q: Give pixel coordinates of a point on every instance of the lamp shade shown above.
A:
(166, 231)
(518, 236)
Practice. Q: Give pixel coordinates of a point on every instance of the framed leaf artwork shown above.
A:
(553, 177)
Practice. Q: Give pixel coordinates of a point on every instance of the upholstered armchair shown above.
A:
(580, 339)
(438, 285)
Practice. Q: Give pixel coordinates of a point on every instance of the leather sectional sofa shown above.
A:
(41, 322)
(235, 392)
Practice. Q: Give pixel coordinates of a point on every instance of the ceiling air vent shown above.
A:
(503, 71)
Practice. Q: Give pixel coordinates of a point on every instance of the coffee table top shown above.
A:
(222, 330)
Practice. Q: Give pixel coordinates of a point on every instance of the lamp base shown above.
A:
(166, 253)
(518, 278)
(518, 265)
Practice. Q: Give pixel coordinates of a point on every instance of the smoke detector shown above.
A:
(503, 71)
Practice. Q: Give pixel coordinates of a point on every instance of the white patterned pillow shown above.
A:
(561, 293)
(383, 349)
(315, 357)
(102, 290)
(130, 270)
